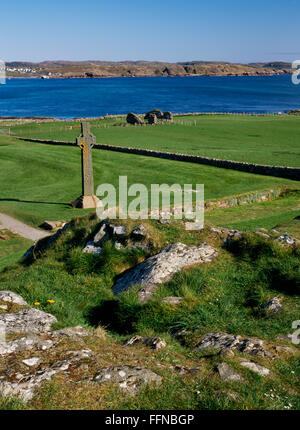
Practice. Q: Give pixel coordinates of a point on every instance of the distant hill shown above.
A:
(96, 68)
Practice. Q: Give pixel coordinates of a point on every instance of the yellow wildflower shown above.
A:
(37, 303)
(50, 301)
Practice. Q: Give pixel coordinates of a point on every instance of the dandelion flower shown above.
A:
(50, 301)
(37, 303)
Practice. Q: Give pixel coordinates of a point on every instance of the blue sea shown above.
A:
(71, 98)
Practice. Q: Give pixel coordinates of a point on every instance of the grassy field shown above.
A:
(270, 140)
(39, 181)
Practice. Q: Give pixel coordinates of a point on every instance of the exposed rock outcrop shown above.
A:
(228, 374)
(161, 267)
(28, 342)
(255, 367)
(90, 248)
(10, 297)
(26, 388)
(219, 340)
(129, 378)
(27, 321)
(273, 305)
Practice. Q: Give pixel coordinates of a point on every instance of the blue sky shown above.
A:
(164, 30)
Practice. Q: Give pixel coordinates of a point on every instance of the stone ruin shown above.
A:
(151, 117)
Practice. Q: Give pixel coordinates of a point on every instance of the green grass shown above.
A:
(41, 180)
(11, 250)
(266, 139)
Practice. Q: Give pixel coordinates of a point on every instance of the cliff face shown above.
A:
(67, 69)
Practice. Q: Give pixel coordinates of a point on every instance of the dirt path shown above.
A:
(21, 229)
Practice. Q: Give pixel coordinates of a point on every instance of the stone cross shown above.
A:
(86, 140)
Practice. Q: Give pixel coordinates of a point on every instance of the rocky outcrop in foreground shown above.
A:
(30, 359)
(161, 267)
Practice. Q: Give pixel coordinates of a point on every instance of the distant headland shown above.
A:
(106, 69)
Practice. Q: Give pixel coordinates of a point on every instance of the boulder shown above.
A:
(10, 297)
(168, 116)
(273, 305)
(27, 321)
(158, 113)
(103, 234)
(117, 231)
(162, 266)
(134, 119)
(90, 248)
(129, 378)
(219, 340)
(152, 118)
(139, 233)
(228, 374)
(257, 368)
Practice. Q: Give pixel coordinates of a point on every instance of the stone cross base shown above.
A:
(86, 202)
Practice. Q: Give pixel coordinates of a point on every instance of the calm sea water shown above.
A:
(69, 98)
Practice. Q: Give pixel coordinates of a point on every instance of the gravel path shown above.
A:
(22, 229)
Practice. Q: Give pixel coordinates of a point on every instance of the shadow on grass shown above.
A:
(39, 202)
(113, 315)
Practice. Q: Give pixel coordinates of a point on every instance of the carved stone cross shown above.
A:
(86, 141)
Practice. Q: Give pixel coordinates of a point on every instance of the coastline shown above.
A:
(254, 75)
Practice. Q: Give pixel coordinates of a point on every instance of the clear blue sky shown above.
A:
(165, 30)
